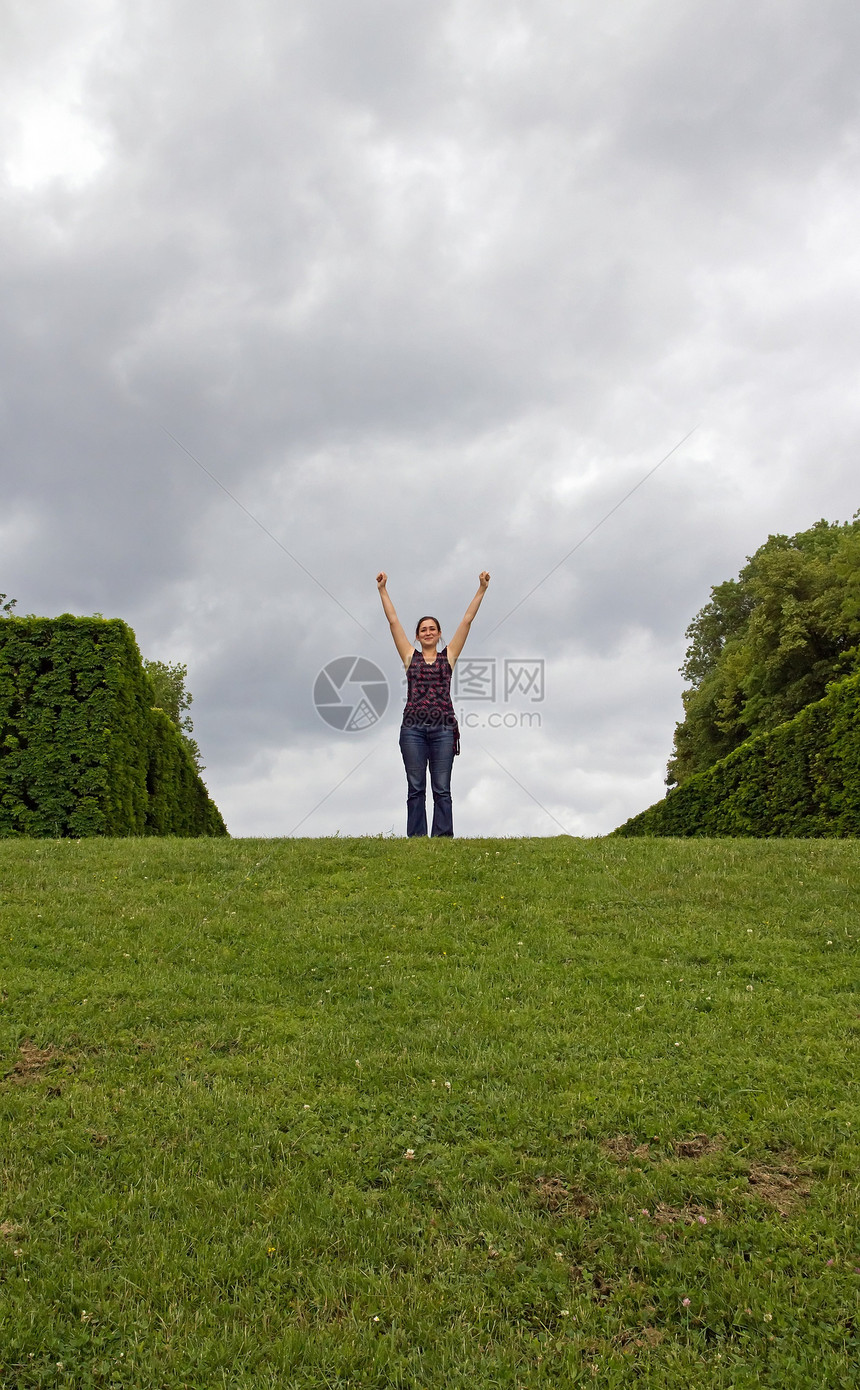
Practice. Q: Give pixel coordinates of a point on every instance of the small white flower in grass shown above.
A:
(564, 1312)
(306, 1107)
(768, 1317)
(677, 1044)
(830, 943)
(685, 1302)
(375, 1318)
(749, 989)
(410, 1153)
(447, 1085)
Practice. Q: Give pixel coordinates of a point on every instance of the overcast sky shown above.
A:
(427, 288)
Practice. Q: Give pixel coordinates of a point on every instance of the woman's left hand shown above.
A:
(483, 579)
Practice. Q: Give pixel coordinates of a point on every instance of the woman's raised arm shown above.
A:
(401, 641)
(458, 641)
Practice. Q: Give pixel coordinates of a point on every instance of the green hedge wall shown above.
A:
(178, 801)
(801, 779)
(81, 750)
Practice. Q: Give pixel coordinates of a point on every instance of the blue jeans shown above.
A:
(419, 747)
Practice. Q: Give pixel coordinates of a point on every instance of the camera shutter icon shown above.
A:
(351, 694)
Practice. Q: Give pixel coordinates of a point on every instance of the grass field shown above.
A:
(376, 1113)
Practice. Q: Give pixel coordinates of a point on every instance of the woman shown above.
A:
(429, 733)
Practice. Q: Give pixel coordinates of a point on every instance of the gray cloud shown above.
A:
(427, 290)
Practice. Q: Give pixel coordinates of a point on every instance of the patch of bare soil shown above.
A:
(10, 1229)
(558, 1196)
(601, 1288)
(697, 1145)
(32, 1063)
(781, 1184)
(623, 1147)
(639, 1338)
(665, 1215)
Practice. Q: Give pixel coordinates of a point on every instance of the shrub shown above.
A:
(769, 643)
(178, 800)
(81, 750)
(801, 779)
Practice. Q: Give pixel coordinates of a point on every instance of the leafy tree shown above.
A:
(769, 642)
(170, 695)
(6, 605)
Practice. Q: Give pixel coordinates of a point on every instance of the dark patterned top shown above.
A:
(428, 702)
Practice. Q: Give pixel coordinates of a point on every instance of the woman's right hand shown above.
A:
(381, 579)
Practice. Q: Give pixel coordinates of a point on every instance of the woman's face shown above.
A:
(428, 633)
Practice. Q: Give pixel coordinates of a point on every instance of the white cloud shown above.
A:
(53, 142)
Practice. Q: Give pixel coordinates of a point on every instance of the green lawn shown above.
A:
(375, 1113)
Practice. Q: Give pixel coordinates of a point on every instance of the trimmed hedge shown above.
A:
(81, 750)
(799, 780)
(178, 801)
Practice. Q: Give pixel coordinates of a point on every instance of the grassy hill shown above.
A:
(446, 1114)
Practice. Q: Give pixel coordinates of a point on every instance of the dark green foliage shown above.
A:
(801, 779)
(178, 801)
(81, 750)
(169, 693)
(769, 642)
(6, 605)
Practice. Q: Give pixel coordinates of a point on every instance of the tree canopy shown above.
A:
(769, 642)
(169, 694)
